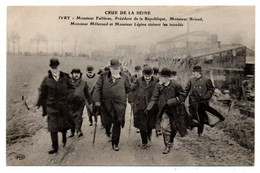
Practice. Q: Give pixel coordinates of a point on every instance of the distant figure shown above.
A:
(143, 87)
(132, 94)
(91, 79)
(53, 97)
(170, 97)
(110, 95)
(200, 90)
(155, 71)
(78, 100)
(158, 130)
(174, 75)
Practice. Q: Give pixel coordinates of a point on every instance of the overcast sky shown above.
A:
(228, 22)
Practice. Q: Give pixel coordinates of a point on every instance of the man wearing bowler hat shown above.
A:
(143, 87)
(200, 90)
(91, 79)
(78, 100)
(110, 95)
(53, 97)
(170, 97)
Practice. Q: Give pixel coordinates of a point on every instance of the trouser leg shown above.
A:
(203, 119)
(78, 122)
(149, 134)
(54, 139)
(143, 134)
(211, 110)
(64, 136)
(166, 129)
(116, 129)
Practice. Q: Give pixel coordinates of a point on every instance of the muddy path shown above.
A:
(213, 148)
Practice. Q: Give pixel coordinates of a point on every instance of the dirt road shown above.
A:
(214, 148)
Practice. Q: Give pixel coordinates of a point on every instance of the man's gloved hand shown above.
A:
(97, 104)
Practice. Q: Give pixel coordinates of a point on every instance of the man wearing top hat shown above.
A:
(53, 97)
(110, 95)
(200, 90)
(170, 97)
(143, 87)
(78, 100)
(91, 79)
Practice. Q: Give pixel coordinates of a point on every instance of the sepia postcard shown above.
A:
(115, 86)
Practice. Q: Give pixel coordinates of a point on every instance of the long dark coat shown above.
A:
(200, 91)
(53, 98)
(112, 96)
(144, 94)
(79, 96)
(171, 98)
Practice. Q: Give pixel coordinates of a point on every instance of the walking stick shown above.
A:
(95, 127)
(131, 112)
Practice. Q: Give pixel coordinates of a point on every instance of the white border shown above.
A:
(3, 12)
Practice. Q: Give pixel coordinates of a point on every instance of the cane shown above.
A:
(131, 112)
(95, 127)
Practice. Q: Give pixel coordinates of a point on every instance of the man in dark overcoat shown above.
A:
(200, 90)
(143, 87)
(78, 100)
(91, 79)
(110, 95)
(170, 97)
(132, 94)
(53, 98)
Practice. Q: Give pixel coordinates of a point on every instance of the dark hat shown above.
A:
(174, 73)
(155, 70)
(147, 70)
(90, 68)
(138, 68)
(106, 68)
(114, 63)
(76, 70)
(165, 72)
(54, 62)
(197, 68)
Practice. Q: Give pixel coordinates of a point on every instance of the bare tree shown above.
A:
(62, 43)
(38, 38)
(14, 38)
(75, 47)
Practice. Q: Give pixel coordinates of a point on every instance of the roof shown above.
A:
(250, 60)
(182, 36)
(215, 50)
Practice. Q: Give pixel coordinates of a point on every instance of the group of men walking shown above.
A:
(156, 99)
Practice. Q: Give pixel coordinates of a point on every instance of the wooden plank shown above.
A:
(229, 69)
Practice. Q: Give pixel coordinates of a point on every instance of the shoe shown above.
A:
(64, 143)
(166, 150)
(144, 146)
(158, 133)
(109, 139)
(80, 134)
(72, 135)
(52, 151)
(115, 148)
(91, 124)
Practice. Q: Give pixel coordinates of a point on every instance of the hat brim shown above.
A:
(114, 66)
